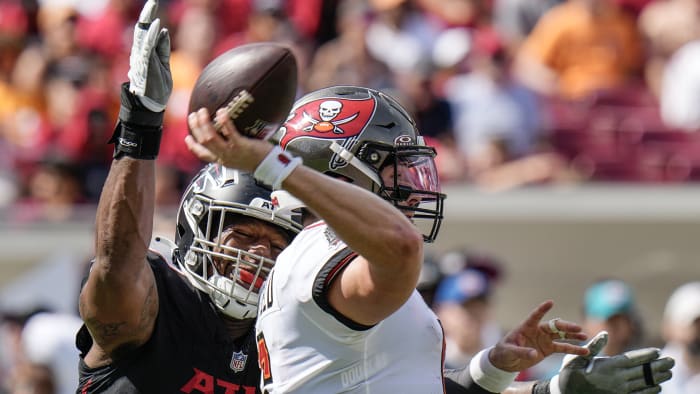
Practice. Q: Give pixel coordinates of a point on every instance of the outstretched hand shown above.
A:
(149, 61)
(621, 374)
(221, 143)
(533, 340)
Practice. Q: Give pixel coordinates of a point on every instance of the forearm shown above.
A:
(124, 220)
(459, 381)
(369, 225)
(123, 230)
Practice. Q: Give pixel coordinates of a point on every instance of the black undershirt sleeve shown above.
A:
(459, 381)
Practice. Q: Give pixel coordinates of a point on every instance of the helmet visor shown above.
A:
(410, 182)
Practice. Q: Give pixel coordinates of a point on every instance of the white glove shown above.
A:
(149, 62)
(619, 374)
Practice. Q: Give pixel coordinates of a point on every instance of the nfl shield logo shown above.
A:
(238, 361)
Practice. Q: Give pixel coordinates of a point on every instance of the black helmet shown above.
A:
(214, 196)
(366, 137)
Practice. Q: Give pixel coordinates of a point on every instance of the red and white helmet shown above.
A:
(366, 137)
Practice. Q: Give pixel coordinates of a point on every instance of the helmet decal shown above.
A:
(403, 140)
(213, 176)
(328, 119)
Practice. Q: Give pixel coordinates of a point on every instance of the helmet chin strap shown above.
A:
(351, 159)
(225, 300)
(221, 298)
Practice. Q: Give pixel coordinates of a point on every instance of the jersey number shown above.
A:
(264, 359)
(266, 301)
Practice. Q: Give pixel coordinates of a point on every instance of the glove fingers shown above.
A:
(640, 385)
(151, 36)
(662, 364)
(139, 59)
(148, 12)
(141, 29)
(660, 370)
(636, 357)
(660, 377)
(163, 47)
(597, 343)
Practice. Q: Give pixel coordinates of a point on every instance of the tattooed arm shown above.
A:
(119, 301)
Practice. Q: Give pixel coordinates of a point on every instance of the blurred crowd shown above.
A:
(511, 92)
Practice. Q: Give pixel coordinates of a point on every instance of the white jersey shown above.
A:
(305, 346)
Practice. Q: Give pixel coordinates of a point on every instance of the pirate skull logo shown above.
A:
(327, 111)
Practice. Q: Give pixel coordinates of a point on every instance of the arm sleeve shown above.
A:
(459, 381)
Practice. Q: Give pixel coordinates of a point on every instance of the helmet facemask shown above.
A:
(231, 276)
(408, 178)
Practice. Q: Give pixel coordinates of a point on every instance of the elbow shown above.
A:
(410, 245)
(407, 256)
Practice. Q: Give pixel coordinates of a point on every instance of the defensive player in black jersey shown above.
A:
(175, 318)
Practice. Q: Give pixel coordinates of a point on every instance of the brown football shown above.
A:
(256, 82)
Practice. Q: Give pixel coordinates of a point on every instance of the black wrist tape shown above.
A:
(138, 131)
(138, 142)
(541, 387)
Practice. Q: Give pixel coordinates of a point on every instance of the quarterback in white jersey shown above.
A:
(340, 312)
(403, 350)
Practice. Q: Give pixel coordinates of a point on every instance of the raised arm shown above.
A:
(119, 301)
(389, 246)
(390, 249)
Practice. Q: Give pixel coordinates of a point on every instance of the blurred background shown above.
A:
(567, 138)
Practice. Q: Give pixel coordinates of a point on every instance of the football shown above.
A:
(256, 83)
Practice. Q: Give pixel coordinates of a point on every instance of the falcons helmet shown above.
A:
(213, 200)
(366, 137)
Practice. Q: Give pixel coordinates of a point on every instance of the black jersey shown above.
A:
(189, 351)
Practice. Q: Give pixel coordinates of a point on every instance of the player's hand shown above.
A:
(221, 143)
(533, 340)
(619, 374)
(149, 62)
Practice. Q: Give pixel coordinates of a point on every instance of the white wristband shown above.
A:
(276, 167)
(554, 385)
(487, 375)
